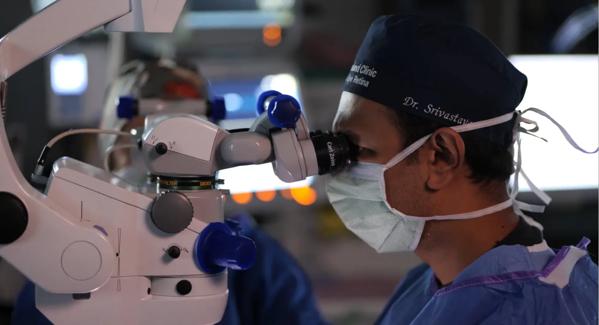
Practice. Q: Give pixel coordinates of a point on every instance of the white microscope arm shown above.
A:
(37, 236)
(279, 135)
(66, 20)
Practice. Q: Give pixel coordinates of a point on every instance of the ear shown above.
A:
(445, 157)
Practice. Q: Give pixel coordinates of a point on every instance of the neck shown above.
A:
(448, 247)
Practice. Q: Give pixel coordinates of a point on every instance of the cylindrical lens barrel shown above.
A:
(334, 151)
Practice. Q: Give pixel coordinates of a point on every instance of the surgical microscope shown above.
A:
(101, 251)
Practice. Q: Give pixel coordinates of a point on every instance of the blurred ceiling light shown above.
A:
(275, 4)
(284, 83)
(242, 198)
(304, 195)
(272, 34)
(266, 196)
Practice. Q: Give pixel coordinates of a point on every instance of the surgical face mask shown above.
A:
(358, 196)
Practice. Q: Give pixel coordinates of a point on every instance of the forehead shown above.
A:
(361, 117)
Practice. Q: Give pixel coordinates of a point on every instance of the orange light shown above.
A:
(304, 195)
(286, 194)
(272, 34)
(177, 90)
(242, 198)
(266, 196)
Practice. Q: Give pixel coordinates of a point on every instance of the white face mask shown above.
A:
(358, 196)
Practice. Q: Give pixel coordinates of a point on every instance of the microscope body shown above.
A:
(101, 251)
(149, 283)
(154, 231)
(114, 252)
(158, 256)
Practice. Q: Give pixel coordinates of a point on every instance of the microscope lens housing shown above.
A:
(334, 151)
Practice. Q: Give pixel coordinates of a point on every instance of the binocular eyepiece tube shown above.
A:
(334, 151)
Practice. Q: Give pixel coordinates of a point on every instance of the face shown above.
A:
(372, 127)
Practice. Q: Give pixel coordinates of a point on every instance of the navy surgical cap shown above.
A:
(441, 71)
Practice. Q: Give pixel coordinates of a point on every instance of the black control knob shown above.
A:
(161, 148)
(13, 218)
(183, 287)
(171, 212)
(174, 252)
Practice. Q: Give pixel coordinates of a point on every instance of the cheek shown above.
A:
(405, 188)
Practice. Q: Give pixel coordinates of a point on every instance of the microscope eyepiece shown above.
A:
(334, 151)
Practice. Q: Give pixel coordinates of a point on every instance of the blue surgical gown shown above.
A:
(274, 291)
(511, 284)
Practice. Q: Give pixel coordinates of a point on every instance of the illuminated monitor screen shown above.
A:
(564, 86)
(239, 14)
(241, 96)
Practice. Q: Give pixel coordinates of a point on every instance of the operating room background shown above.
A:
(311, 46)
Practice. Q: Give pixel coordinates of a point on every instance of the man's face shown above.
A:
(373, 128)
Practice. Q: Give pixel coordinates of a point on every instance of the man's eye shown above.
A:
(365, 152)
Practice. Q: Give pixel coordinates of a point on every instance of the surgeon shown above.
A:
(275, 290)
(431, 106)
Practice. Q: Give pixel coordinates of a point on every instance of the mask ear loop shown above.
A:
(537, 191)
(565, 133)
(513, 191)
(542, 195)
(520, 206)
(518, 129)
